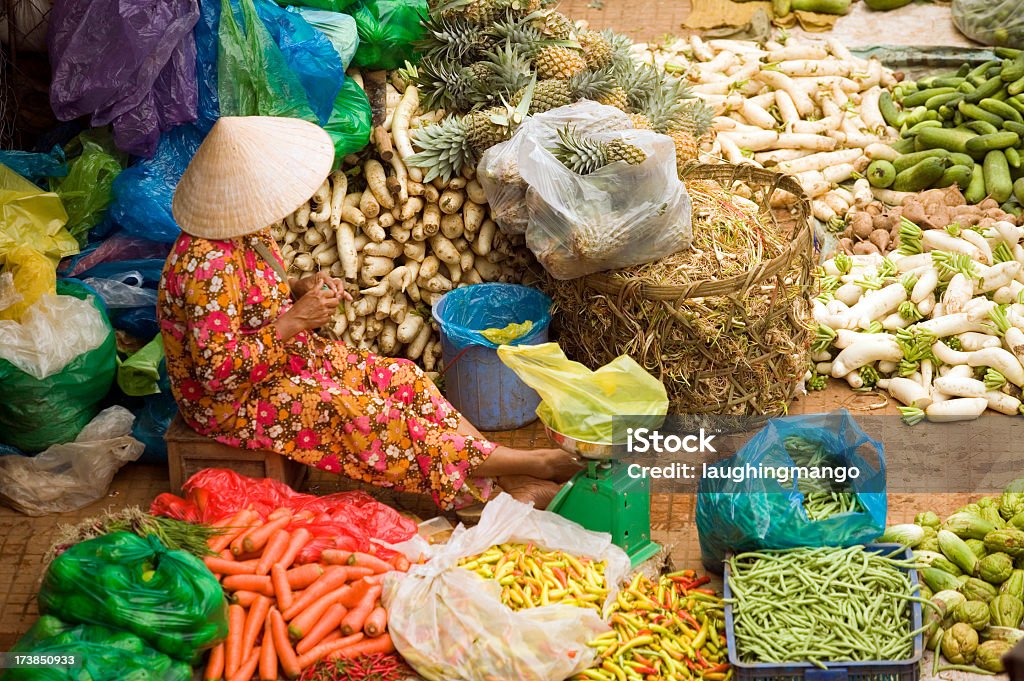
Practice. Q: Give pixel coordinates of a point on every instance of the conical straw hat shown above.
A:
(250, 172)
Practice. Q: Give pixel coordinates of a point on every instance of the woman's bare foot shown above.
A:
(529, 489)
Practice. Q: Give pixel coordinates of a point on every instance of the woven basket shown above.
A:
(752, 363)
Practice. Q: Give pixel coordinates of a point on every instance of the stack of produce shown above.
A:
(875, 228)
(488, 64)
(974, 578)
(287, 616)
(938, 323)
(671, 628)
(399, 243)
(531, 577)
(961, 128)
(805, 108)
(838, 605)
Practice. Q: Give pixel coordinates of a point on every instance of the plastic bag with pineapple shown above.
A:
(600, 195)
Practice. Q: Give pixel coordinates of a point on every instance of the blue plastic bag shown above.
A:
(143, 192)
(206, 63)
(154, 418)
(463, 313)
(133, 312)
(339, 28)
(762, 513)
(36, 167)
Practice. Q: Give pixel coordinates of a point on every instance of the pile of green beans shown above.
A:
(822, 605)
(821, 500)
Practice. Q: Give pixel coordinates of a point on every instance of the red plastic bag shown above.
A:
(348, 520)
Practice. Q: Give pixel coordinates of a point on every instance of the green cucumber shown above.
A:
(1007, 52)
(975, 192)
(1012, 157)
(979, 146)
(881, 173)
(1013, 69)
(1016, 87)
(986, 89)
(982, 127)
(921, 176)
(967, 87)
(1014, 126)
(947, 81)
(961, 160)
(981, 69)
(912, 117)
(823, 6)
(922, 96)
(977, 113)
(950, 139)
(1016, 103)
(998, 184)
(903, 146)
(1001, 109)
(1001, 96)
(885, 5)
(1018, 190)
(910, 160)
(963, 70)
(935, 103)
(958, 175)
(889, 111)
(911, 132)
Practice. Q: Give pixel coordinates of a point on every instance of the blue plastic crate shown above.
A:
(881, 670)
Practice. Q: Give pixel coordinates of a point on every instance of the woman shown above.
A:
(247, 367)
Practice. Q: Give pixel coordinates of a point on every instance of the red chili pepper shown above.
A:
(700, 658)
(646, 670)
(688, 618)
(641, 659)
(559, 574)
(698, 582)
(643, 632)
(718, 668)
(709, 592)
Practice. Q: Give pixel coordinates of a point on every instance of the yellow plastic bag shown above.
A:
(581, 403)
(32, 217)
(33, 275)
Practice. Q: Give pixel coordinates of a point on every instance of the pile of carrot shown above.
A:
(283, 617)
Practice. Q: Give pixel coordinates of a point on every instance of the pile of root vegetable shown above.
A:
(938, 323)
(399, 243)
(805, 108)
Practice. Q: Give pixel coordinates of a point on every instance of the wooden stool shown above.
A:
(188, 452)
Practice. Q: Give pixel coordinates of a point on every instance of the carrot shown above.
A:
(335, 556)
(303, 576)
(268, 654)
(273, 551)
(324, 649)
(237, 546)
(374, 579)
(354, 596)
(334, 635)
(235, 525)
(257, 616)
(356, 617)
(219, 566)
(328, 623)
(233, 644)
(360, 559)
(332, 578)
(248, 668)
(215, 665)
(300, 625)
(377, 622)
(244, 598)
(400, 563)
(279, 580)
(298, 541)
(280, 511)
(258, 538)
(285, 655)
(258, 583)
(371, 646)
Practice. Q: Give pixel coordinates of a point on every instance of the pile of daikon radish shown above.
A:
(399, 243)
(804, 108)
(939, 324)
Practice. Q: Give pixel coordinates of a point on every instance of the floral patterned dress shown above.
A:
(346, 411)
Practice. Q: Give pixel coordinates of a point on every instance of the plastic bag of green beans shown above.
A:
(801, 481)
(991, 22)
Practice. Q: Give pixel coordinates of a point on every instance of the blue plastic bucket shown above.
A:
(476, 381)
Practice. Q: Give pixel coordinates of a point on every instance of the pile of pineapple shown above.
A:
(489, 63)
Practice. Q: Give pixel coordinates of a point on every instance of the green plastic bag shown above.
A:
(253, 78)
(86, 191)
(99, 654)
(387, 31)
(581, 403)
(36, 413)
(139, 375)
(168, 598)
(351, 120)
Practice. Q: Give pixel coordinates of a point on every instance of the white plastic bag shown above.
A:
(51, 333)
(450, 624)
(124, 291)
(69, 476)
(991, 22)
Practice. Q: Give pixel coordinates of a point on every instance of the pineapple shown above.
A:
(558, 62)
(671, 109)
(640, 121)
(585, 155)
(444, 148)
(616, 97)
(556, 25)
(597, 51)
(504, 72)
(486, 128)
(451, 40)
(449, 87)
(549, 94)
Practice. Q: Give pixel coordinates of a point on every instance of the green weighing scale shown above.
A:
(605, 498)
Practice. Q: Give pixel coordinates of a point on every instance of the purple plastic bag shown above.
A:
(125, 62)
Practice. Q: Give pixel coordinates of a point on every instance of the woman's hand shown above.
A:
(301, 287)
(311, 311)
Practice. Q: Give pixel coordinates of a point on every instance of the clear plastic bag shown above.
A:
(618, 216)
(991, 22)
(450, 624)
(586, 404)
(123, 291)
(67, 477)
